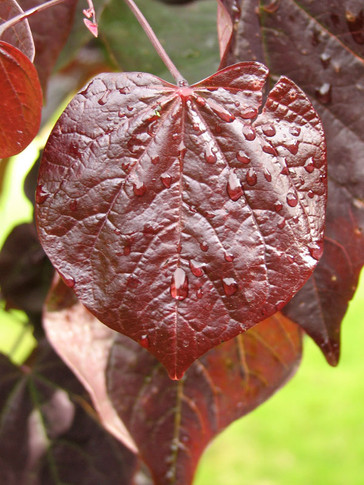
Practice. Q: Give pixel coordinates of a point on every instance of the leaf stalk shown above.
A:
(156, 43)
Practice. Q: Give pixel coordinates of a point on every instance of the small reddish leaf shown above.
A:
(182, 417)
(84, 344)
(224, 28)
(21, 101)
(19, 35)
(124, 239)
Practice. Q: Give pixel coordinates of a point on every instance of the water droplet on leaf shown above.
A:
(196, 268)
(323, 93)
(267, 175)
(292, 199)
(68, 280)
(210, 156)
(270, 149)
(144, 341)
(179, 285)
(234, 188)
(242, 157)
(278, 206)
(251, 177)
(295, 130)
(40, 195)
(229, 257)
(269, 130)
(139, 188)
(310, 166)
(166, 180)
(230, 286)
(316, 250)
(249, 132)
(204, 247)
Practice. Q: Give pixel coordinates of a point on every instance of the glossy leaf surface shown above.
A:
(181, 417)
(46, 435)
(179, 214)
(20, 34)
(21, 100)
(320, 46)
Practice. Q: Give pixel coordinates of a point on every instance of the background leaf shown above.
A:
(21, 101)
(182, 417)
(20, 34)
(46, 437)
(320, 46)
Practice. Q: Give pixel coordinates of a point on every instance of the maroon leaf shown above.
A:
(180, 216)
(84, 344)
(21, 101)
(46, 437)
(182, 417)
(20, 34)
(25, 272)
(50, 30)
(320, 46)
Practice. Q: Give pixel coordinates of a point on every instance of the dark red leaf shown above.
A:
(46, 437)
(25, 272)
(84, 344)
(50, 30)
(20, 34)
(180, 417)
(183, 417)
(320, 46)
(180, 214)
(21, 101)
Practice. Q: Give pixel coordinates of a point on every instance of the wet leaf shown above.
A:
(177, 213)
(20, 34)
(46, 436)
(320, 46)
(182, 417)
(50, 30)
(21, 101)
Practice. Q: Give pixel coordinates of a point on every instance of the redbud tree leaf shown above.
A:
(84, 344)
(19, 35)
(182, 417)
(182, 216)
(46, 434)
(320, 45)
(21, 100)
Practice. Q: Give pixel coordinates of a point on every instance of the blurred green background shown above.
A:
(310, 433)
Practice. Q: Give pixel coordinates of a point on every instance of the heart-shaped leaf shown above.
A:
(320, 46)
(181, 417)
(21, 100)
(182, 216)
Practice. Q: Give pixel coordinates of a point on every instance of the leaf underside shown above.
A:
(320, 45)
(21, 100)
(181, 216)
(182, 417)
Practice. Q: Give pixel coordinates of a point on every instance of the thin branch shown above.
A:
(157, 45)
(9, 23)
